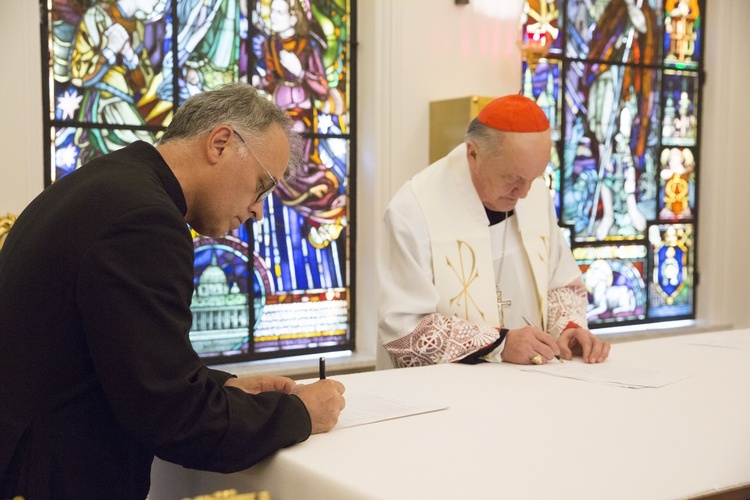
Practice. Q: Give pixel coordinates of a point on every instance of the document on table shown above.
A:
(367, 408)
(608, 373)
(731, 340)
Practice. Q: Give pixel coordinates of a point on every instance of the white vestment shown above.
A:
(440, 260)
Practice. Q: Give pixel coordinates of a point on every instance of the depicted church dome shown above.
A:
(213, 281)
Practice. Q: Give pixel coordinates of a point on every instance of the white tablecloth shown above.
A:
(514, 434)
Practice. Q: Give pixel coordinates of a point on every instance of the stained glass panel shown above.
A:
(107, 63)
(680, 122)
(302, 52)
(543, 86)
(74, 146)
(113, 71)
(615, 31)
(303, 235)
(677, 184)
(211, 42)
(671, 288)
(682, 33)
(614, 279)
(540, 28)
(220, 305)
(629, 83)
(611, 151)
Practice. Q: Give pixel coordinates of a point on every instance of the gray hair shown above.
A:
(486, 138)
(240, 106)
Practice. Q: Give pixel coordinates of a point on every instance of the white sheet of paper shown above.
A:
(367, 408)
(731, 340)
(607, 373)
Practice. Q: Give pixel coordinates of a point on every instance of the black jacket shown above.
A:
(97, 374)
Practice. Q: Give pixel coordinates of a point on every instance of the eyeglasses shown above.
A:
(268, 189)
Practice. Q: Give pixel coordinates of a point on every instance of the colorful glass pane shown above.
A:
(302, 52)
(671, 288)
(303, 234)
(628, 80)
(552, 177)
(74, 146)
(221, 313)
(614, 279)
(119, 63)
(107, 61)
(616, 31)
(211, 43)
(677, 184)
(680, 122)
(543, 86)
(610, 151)
(682, 33)
(540, 29)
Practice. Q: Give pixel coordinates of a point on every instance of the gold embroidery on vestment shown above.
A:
(465, 278)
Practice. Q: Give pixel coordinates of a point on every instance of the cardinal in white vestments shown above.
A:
(473, 266)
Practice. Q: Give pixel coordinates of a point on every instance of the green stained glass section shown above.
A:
(212, 39)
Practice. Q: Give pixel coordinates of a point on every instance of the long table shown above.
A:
(514, 434)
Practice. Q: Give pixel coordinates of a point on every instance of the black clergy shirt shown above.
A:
(97, 373)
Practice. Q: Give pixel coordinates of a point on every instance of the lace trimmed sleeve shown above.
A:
(566, 304)
(440, 339)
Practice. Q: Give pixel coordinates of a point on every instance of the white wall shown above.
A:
(410, 53)
(21, 144)
(724, 237)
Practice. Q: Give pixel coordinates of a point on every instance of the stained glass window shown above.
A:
(117, 72)
(620, 81)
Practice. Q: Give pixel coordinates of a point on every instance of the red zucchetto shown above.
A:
(514, 113)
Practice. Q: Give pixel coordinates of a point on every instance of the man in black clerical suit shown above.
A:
(97, 373)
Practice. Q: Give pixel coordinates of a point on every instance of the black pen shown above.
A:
(322, 367)
(528, 322)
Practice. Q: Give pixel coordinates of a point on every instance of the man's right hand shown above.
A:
(324, 401)
(522, 344)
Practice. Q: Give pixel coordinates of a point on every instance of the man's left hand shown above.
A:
(581, 342)
(262, 383)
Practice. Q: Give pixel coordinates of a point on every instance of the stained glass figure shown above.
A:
(614, 279)
(105, 59)
(119, 69)
(680, 122)
(677, 184)
(682, 26)
(209, 42)
(671, 287)
(609, 116)
(625, 77)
